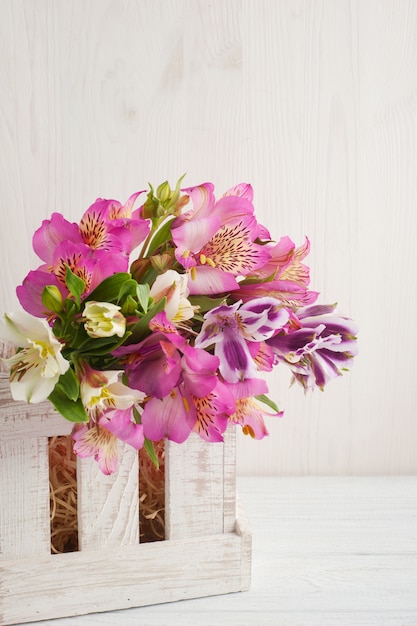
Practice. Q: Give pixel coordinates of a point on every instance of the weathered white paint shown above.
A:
(108, 506)
(207, 551)
(327, 551)
(204, 503)
(313, 101)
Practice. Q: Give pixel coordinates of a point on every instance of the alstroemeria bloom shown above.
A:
(102, 391)
(103, 319)
(36, 368)
(96, 441)
(288, 292)
(320, 348)
(249, 413)
(197, 402)
(106, 225)
(285, 262)
(153, 365)
(79, 258)
(109, 405)
(213, 412)
(283, 276)
(174, 287)
(230, 328)
(215, 241)
(99, 439)
(109, 225)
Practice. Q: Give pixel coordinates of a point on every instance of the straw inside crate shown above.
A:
(63, 495)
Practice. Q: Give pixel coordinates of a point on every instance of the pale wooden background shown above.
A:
(313, 102)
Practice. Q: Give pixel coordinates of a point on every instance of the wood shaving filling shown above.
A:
(63, 495)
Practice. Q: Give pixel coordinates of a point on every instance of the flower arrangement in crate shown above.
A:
(175, 340)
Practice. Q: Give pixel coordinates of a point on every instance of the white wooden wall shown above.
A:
(312, 101)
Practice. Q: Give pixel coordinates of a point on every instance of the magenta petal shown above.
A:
(202, 198)
(199, 371)
(242, 190)
(194, 234)
(119, 422)
(211, 281)
(51, 233)
(169, 417)
(233, 208)
(157, 367)
(30, 292)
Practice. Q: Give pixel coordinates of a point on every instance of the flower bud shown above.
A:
(164, 192)
(52, 298)
(162, 262)
(103, 319)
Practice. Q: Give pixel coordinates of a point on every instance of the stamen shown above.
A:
(186, 404)
(203, 259)
(248, 430)
(210, 262)
(193, 273)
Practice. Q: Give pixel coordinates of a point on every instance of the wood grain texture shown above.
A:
(207, 551)
(327, 551)
(200, 496)
(76, 583)
(108, 506)
(312, 101)
(24, 495)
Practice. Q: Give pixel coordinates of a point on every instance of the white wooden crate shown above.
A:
(207, 550)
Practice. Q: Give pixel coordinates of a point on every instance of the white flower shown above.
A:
(173, 287)
(101, 391)
(36, 368)
(103, 319)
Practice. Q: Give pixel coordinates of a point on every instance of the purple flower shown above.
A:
(231, 328)
(319, 348)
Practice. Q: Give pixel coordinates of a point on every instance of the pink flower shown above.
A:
(213, 411)
(249, 413)
(215, 241)
(283, 276)
(109, 405)
(99, 439)
(96, 441)
(109, 225)
(180, 412)
(92, 269)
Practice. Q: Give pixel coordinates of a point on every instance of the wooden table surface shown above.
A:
(326, 552)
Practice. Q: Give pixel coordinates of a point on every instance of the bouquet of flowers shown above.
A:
(176, 339)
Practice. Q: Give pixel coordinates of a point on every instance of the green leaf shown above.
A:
(69, 384)
(129, 306)
(72, 411)
(162, 235)
(75, 284)
(142, 292)
(128, 288)
(136, 414)
(108, 290)
(102, 345)
(150, 450)
(205, 303)
(141, 329)
(268, 402)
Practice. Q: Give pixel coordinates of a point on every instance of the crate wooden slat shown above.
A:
(108, 506)
(207, 550)
(24, 485)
